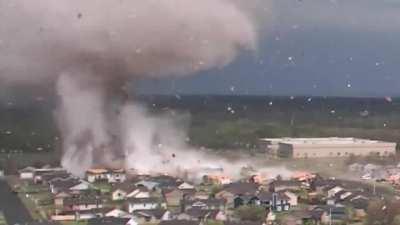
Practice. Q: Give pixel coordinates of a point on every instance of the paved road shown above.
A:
(12, 207)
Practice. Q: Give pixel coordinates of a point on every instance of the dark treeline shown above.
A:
(222, 122)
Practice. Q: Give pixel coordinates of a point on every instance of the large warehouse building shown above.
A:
(326, 147)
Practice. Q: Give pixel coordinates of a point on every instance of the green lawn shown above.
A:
(2, 219)
(31, 206)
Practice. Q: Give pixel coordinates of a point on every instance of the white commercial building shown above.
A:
(326, 147)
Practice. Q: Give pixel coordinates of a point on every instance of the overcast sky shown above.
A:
(312, 47)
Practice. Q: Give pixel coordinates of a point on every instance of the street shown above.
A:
(12, 207)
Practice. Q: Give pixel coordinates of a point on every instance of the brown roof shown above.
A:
(156, 213)
(241, 188)
(82, 200)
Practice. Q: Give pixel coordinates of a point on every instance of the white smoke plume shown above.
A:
(90, 49)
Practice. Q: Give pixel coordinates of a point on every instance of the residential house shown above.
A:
(153, 216)
(293, 198)
(139, 192)
(331, 192)
(150, 185)
(202, 215)
(47, 177)
(89, 214)
(231, 191)
(112, 221)
(321, 186)
(285, 185)
(63, 185)
(68, 185)
(119, 213)
(360, 205)
(296, 218)
(208, 204)
(116, 176)
(96, 175)
(64, 216)
(127, 190)
(27, 173)
(202, 194)
(342, 196)
(165, 181)
(59, 199)
(276, 201)
(82, 203)
(144, 204)
(186, 186)
(334, 214)
(173, 196)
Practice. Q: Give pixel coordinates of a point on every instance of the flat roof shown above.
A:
(327, 140)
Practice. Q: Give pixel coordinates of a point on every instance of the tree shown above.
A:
(396, 220)
(11, 167)
(375, 213)
(383, 212)
(250, 213)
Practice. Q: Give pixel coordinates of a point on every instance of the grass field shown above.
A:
(2, 219)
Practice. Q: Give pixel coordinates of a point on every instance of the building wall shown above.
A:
(325, 147)
(318, 151)
(334, 150)
(26, 175)
(141, 206)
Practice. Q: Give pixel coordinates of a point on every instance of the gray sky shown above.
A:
(312, 47)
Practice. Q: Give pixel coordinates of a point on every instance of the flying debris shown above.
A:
(364, 113)
(388, 99)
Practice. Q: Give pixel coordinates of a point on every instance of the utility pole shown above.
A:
(330, 215)
(374, 189)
